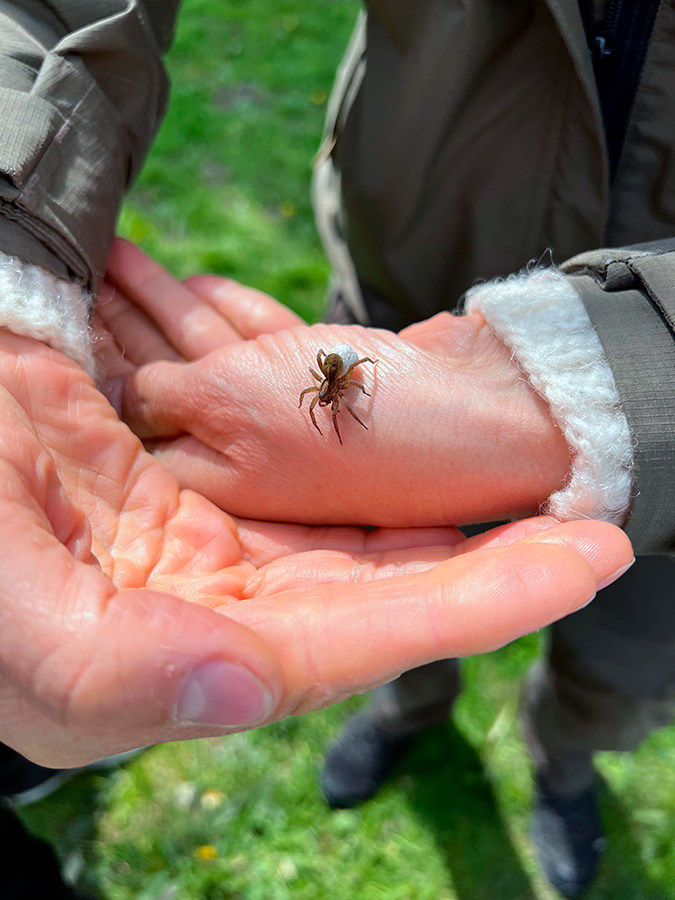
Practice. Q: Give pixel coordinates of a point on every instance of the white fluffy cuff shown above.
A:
(37, 304)
(541, 318)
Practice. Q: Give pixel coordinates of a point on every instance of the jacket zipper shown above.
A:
(618, 49)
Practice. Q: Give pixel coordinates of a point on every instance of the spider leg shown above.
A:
(315, 374)
(350, 410)
(318, 359)
(311, 412)
(356, 384)
(335, 406)
(358, 363)
(308, 391)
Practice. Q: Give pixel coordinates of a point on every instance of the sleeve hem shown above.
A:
(542, 319)
(35, 303)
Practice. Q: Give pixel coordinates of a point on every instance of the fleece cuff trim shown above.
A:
(542, 319)
(37, 304)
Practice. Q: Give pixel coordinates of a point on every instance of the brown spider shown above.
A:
(336, 367)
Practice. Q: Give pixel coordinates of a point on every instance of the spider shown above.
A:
(336, 366)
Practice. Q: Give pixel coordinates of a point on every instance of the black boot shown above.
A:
(568, 838)
(23, 782)
(30, 869)
(359, 762)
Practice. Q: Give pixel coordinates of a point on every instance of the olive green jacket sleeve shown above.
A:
(82, 93)
(629, 295)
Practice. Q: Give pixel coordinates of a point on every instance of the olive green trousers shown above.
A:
(606, 680)
(607, 677)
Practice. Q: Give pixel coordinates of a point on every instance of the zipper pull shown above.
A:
(601, 46)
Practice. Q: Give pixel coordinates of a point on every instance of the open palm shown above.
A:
(135, 612)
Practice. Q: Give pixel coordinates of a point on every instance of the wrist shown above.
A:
(542, 320)
(519, 456)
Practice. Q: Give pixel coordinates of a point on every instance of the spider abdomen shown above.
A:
(347, 356)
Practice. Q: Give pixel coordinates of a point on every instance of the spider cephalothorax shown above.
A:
(336, 367)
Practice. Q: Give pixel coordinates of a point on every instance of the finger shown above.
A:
(370, 563)
(137, 338)
(249, 311)
(508, 533)
(263, 542)
(446, 334)
(152, 400)
(193, 327)
(314, 567)
(336, 639)
(193, 463)
(581, 536)
(108, 353)
(610, 557)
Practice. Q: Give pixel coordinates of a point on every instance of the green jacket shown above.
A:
(467, 139)
(82, 94)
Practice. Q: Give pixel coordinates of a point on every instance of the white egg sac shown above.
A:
(347, 354)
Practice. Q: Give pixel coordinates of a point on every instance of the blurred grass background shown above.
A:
(226, 190)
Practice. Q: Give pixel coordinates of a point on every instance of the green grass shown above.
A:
(226, 190)
(242, 818)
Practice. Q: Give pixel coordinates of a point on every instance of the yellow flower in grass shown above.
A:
(287, 209)
(211, 799)
(206, 852)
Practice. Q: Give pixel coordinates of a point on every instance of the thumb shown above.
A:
(155, 666)
(151, 399)
(88, 670)
(155, 669)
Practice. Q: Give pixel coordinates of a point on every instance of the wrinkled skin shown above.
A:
(117, 584)
(212, 372)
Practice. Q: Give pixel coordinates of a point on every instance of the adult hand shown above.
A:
(455, 432)
(134, 612)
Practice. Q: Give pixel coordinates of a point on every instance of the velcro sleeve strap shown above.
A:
(629, 294)
(657, 274)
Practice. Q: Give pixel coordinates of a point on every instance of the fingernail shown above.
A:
(611, 578)
(224, 286)
(221, 693)
(587, 603)
(106, 293)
